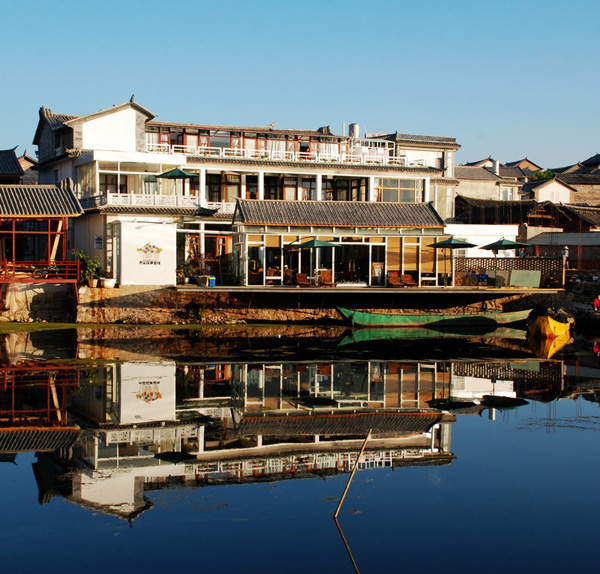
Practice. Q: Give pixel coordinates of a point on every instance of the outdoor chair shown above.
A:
(408, 280)
(393, 278)
(326, 279)
(302, 280)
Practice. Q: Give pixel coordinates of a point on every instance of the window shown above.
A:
(399, 190)
(309, 189)
(213, 186)
(272, 188)
(220, 139)
(251, 187)
(108, 183)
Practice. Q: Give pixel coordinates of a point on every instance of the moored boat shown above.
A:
(369, 319)
(550, 323)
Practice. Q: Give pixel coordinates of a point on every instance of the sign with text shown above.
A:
(148, 253)
(147, 393)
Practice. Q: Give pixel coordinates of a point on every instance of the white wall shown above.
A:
(114, 132)
(482, 235)
(554, 192)
(138, 265)
(137, 381)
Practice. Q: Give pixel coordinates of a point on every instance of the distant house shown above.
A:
(478, 211)
(10, 168)
(484, 183)
(553, 190)
(584, 178)
(525, 165)
(28, 164)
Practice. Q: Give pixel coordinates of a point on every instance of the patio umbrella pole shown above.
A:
(362, 450)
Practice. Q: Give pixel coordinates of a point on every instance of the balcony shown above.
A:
(362, 159)
(152, 200)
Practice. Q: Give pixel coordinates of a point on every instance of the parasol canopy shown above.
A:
(452, 243)
(311, 244)
(177, 174)
(504, 245)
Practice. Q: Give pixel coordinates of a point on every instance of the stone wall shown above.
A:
(166, 305)
(49, 302)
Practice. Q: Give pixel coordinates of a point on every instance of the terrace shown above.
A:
(364, 156)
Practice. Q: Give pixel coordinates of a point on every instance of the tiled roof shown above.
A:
(337, 213)
(579, 178)
(37, 440)
(396, 423)
(512, 171)
(592, 161)
(473, 172)
(9, 164)
(37, 201)
(55, 121)
(252, 129)
(484, 203)
(516, 163)
(590, 215)
(479, 162)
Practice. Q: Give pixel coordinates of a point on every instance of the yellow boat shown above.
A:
(547, 327)
(545, 348)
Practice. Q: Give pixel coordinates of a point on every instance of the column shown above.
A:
(202, 187)
(319, 188)
(427, 190)
(261, 185)
(371, 192)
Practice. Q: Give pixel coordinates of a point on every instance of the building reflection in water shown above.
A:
(122, 430)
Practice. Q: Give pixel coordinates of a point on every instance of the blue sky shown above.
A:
(506, 78)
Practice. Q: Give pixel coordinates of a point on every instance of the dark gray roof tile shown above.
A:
(337, 213)
(37, 201)
(9, 163)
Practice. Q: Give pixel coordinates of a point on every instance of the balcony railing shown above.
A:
(39, 271)
(291, 156)
(154, 200)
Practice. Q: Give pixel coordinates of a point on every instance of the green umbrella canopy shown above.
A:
(452, 243)
(504, 244)
(177, 174)
(311, 244)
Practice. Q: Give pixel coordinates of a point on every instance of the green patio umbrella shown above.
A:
(504, 245)
(177, 174)
(311, 244)
(452, 243)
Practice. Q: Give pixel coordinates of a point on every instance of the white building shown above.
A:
(143, 227)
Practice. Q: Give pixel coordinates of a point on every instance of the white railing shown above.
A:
(293, 156)
(222, 206)
(152, 200)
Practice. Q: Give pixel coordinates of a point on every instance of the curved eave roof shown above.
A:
(337, 213)
(22, 201)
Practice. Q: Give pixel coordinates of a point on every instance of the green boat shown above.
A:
(366, 319)
(358, 336)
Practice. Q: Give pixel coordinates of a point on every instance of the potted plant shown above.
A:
(107, 281)
(90, 268)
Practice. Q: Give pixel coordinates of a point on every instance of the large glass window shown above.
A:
(220, 139)
(399, 190)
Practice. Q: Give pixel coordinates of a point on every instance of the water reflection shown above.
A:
(105, 435)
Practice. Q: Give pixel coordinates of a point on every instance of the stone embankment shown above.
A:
(166, 305)
(47, 302)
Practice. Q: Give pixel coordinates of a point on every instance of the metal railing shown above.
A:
(39, 271)
(292, 156)
(155, 200)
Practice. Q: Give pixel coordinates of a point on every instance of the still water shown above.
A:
(138, 449)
